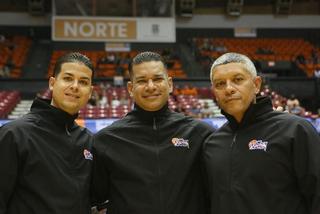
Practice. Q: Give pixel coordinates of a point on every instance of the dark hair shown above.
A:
(147, 56)
(72, 57)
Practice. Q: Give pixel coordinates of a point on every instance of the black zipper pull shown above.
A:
(233, 140)
(154, 124)
(67, 131)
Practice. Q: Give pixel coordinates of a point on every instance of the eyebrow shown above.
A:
(143, 77)
(238, 75)
(85, 78)
(70, 74)
(234, 75)
(216, 80)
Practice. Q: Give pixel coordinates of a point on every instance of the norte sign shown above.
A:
(113, 29)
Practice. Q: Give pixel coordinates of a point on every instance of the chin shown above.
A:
(233, 111)
(153, 108)
(73, 109)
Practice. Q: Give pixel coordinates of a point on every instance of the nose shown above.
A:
(150, 85)
(230, 88)
(74, 85)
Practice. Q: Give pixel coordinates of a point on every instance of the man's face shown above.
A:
(72, 88)
(150, 85)
(234, 88)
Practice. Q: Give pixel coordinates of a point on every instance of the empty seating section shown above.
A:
(22, 108)
(312, 63)
(262, 50)
(176, 70)
(8, 101)
(13, 53)
(56, 54)
(115, 102)
(96, 112)
(4, 55)
(110, 64)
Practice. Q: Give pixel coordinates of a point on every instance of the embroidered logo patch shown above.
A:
(258, 145)
(87, 154)
(180, 142)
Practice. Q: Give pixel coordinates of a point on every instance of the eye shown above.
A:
(158, 79)
(219, 84)
(67, 78)
(238, 79)
(84, 82)
(141, 81)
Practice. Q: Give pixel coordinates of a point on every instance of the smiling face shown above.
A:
(234, 88)
(71, 88)
(150, 85)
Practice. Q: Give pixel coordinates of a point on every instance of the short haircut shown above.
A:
(72, 57)
(234, 58)
(147, 56)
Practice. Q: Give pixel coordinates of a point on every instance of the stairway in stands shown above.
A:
(37, 63)
(190, 65)
(21, 108)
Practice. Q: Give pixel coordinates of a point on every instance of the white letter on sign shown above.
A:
(70, 29)
(90, 29)
(122, 31)
(101, 29)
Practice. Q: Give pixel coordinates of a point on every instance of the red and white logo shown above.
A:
(258, 145)
(87, 154)
(180, 142)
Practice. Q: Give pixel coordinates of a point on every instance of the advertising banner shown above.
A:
(107, 29)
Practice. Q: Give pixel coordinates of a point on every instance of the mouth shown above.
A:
(74, 96)
(151, 96)
(231, 99)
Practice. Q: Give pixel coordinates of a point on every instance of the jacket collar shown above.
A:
(253, 113)
(44, 108)
(149, 115)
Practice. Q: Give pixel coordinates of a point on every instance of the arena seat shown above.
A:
(8, 100)
(271, 49)
(13, 54)
(105, 68)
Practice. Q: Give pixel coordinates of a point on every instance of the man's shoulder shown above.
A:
(288, 119)
(287, 122)
(20, 123)
(19, 128)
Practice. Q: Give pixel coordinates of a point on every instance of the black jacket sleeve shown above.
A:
(206, 133)
(100, 174)
(306, 161)
(8, 166)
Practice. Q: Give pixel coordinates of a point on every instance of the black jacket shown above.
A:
(43, 166)
(149, 162)
(267, 164)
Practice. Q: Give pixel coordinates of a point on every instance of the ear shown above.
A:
(51, 83)
(170, 83)
(257, 83)
(214, 94)
(129, 88)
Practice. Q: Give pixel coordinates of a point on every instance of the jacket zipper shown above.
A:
(67, 131)
(231, 160)
(154, 126)
(69, 134)
(233, 140)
